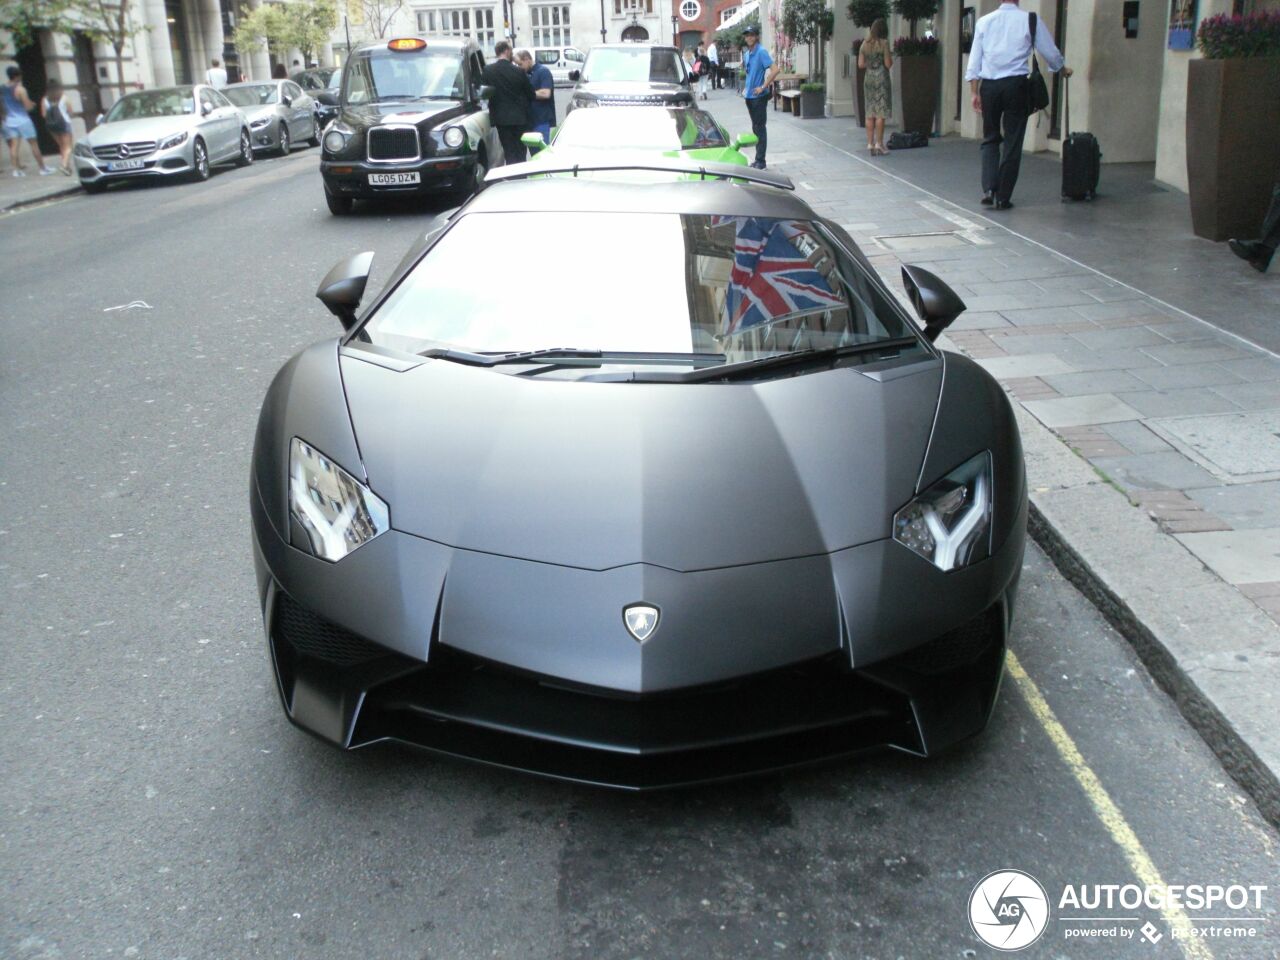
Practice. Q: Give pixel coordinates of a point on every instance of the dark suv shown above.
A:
(412, 119)
(631, 74)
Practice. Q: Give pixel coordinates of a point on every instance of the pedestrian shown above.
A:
(1259, 252)
(758, 71)
(278, 72)
(998, 74)
(542, 111)
(57, 120)
(216, 75)
(509, 104)
(713, 54)
(702, 70)
(17, 123)
(876, 58)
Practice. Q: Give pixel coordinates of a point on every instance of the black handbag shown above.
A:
(1037, 89)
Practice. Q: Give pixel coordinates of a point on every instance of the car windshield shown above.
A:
(254, 95)
(380, 75)
(641, 128)
(169, 102)
(737, 288)
(636, 65)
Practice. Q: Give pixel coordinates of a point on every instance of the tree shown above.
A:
(809, 22)
(309, 24)
(732, 36)
(110, 22)
(267, 25)
(913, 10)
(22, 18)
(376, 14)
(864, 13)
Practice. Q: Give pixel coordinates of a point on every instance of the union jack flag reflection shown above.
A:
(773, 274)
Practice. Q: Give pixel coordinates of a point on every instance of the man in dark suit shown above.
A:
(1259, 252)
(509, 103)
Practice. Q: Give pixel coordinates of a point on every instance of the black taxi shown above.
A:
(412, 119)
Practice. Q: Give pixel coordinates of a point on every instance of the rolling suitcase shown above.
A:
(1081, 158)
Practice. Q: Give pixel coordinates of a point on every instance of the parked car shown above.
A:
(322, 85)
(717, 506)
(166, 132)
(561, 61)
(279, 113)
(412, 120)
(669, 131)
(631, 74)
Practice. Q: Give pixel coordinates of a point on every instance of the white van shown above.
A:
(560, 60)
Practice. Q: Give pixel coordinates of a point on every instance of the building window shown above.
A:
(691, 10)
(550, 25)
(475, 23)
(624, 8)
(727, 12)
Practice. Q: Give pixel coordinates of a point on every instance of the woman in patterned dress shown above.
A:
(875, 57)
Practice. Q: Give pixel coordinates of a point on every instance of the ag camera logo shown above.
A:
(1008, 910)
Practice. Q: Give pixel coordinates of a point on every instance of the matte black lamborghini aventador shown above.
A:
(705, 501)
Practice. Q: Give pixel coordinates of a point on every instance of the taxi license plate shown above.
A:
(126, 165)
(393, 179)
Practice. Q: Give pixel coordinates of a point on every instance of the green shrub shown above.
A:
(1226, 38)
(915, 47)
(864, 13)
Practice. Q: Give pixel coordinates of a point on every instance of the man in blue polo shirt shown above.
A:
(759, 71)
(542, 112)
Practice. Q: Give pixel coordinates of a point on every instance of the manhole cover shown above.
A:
(921, 241)
(1234, 447)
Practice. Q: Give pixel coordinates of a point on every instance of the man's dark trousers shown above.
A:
(1271, 225)
(1004, 124)
(756, 107)
(513, 151)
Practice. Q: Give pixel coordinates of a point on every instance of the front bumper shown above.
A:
(350, 178)
(752, 668)
(158, 163)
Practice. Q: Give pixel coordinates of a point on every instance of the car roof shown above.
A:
(448, 43)
(633, 46)
(583, 194)
(254, 83)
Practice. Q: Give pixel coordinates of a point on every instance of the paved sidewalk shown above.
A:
(33, 188)
(1171, 507)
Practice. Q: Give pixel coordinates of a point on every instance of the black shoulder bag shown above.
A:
(1037, 89)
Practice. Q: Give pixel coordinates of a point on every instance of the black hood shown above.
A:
(684, 476)
(423, 114)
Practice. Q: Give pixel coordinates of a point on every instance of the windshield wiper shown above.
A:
(521, 356)
(746, 369)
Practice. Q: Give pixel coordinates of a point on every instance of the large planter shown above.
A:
(813, 104)
(1233, 144)
(919, 81)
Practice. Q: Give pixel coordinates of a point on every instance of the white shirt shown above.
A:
(712, 55)
(217, 77)
(1002, 45)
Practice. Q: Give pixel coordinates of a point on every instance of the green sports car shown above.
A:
(669, 131)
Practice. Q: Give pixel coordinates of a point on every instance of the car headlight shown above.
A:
(453, 137)
(335, 141)
(82, 149)
(583, 102)
(169, 143)
(260, 123)
(950, 523)
(337, 511)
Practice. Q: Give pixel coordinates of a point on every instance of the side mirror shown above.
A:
(287, 100)
(936, 304)
(574, 75)
(532, 140)
(745, 140)
(101, 116)
(206, 109)
(484, 92)
(343, 286)
(327, 98)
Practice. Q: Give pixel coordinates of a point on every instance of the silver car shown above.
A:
(167, 132)
(280, 113)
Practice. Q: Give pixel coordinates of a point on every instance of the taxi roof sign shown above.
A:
(407, 43)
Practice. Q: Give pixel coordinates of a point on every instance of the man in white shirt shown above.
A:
(999, 65)
(215, 76)
(714, 56)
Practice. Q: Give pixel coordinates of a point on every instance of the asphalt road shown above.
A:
(156, 804)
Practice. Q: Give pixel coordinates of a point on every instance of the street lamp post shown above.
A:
(603, 35)
(675, 26)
